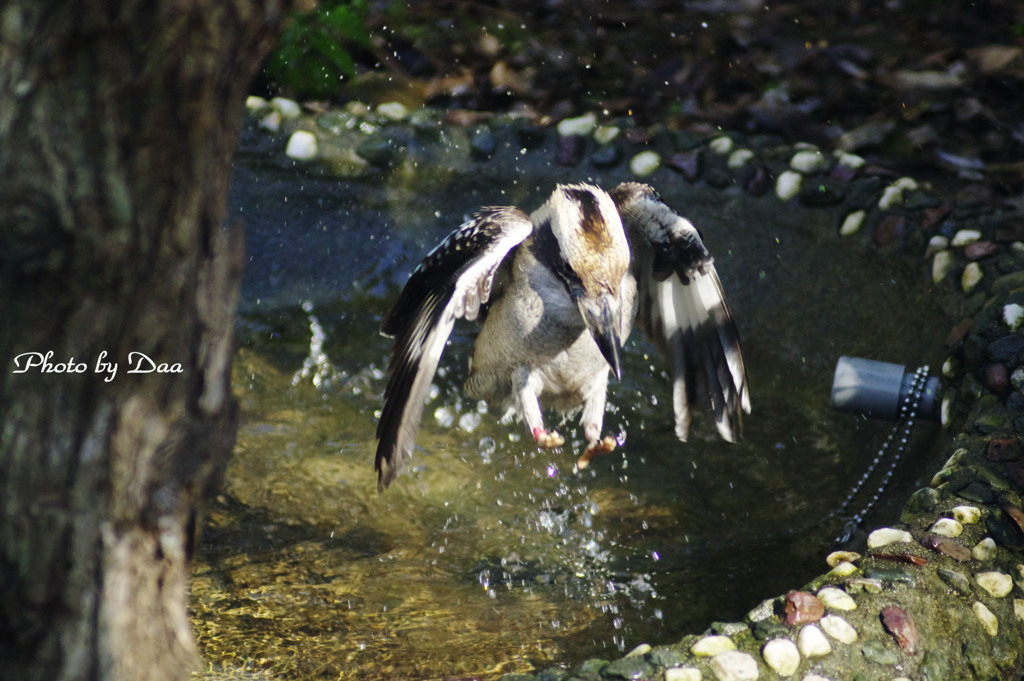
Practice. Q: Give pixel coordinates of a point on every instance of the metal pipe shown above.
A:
(880, 390)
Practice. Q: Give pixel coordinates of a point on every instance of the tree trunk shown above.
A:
(118, 121)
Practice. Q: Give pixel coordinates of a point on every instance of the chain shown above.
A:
(898, 438)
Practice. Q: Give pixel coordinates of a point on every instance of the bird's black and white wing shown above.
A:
(452, 282)
(683, 310)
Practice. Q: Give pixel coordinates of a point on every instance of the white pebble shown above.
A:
(935, 244)
(971, 276)
(641, 649)
(1013, 315)
(844, 569)
(721, 145)
(812, 643)
(581, 125)
(968, 515)
(852, 223)
(788, 184)
(988, 620)
(942, 263)
(288, 108)
(712, 645)
(271, 122)
(396, 111)
(984, 550)
(965, 237)
(947, 527)
(872, 586)
(997, 584)
(1018, 609)
(683, 674)
(956, 457)
(605, 134)
(301, 145)
(782, 656)
(1017, 378)
(254, 103)
(810, 676)
(838, 628)
(891, 197)
(734, 666)
(644, 163)
(852, 161)
(888, 535)
(905, 184)
(836, 599)
(739, 158)
(808, 161)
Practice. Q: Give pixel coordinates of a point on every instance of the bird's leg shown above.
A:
(593, 419)
(528, 407)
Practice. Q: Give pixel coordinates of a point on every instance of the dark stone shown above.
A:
(768, 629)
(901, 626)
(759, 182)
(382, 150)
(934, 666)
(628, 668)
(517, 676)
(1004, 532)
(924, 500)
(1003, 449)
(980, 249)
(667, 657)
(592, 666)
(529, 136)
(821, 194)
(685, 141)
(483, 144)
(997, 379)
(570, 150)
(955, 579)
(606, 156)
(636, 135)
(688, 163)
(889, 574)
(718, 177)
(875, 651)
(946, 546)
(977, 492)
(981, 665)
(1006, 349)
(841, 173)
(889, 230)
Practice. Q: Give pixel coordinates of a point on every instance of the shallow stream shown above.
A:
(492, 556)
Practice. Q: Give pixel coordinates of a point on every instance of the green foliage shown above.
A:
(312, 57)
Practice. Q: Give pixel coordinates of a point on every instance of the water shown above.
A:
(492, 556)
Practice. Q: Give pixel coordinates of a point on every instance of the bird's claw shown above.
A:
(594, 449)
(547, 440)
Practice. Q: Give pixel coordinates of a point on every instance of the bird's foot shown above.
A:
(547, 440)
(594, 449)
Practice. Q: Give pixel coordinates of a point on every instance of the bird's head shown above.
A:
(593, 247)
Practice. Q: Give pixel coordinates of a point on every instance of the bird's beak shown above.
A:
(602, 317)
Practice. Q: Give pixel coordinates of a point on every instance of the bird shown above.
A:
(558, 292)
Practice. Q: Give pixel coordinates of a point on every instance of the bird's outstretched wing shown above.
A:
(453, 281)
(683, 310)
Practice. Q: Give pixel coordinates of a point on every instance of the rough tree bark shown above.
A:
(118, 121)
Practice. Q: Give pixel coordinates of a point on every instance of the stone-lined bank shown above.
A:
(938, 595)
